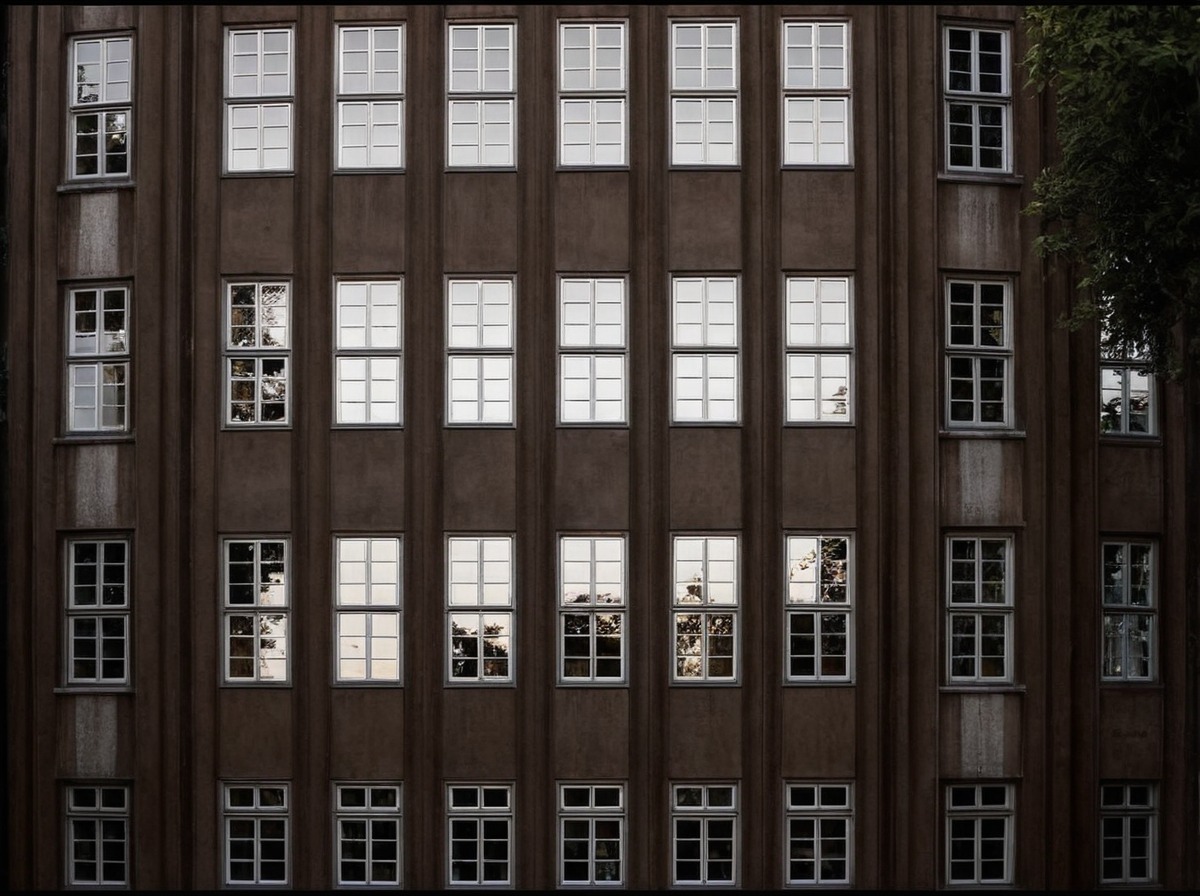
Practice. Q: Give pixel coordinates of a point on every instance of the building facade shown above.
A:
(541, 446)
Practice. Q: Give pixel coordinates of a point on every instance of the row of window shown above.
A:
(592, 834)
(593, 97)
(592, 610)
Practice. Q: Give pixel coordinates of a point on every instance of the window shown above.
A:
(591, 825)
(98, 359)
(97, 835)
(816, 93)
(1128, 833)
(1129, 609)
(370, 102)
(256, 611)
(368, 835)
(591, 350)
(369, 340)
(1126, 391)
(979, 819)
(592, 88)
(704, 608)
(256, 834)
(979, 604)
(704, 834)
(480, 830)
(482, 96)
(704, 93)
(368, 604)
(820, 337)
(978, 353)
(479, 362)
(101, 106)
(258, 135)
(592, 609)
(704, 316)
(978, 95)
(98, 612)
(818, 608)
(480, 609)
(256, 346)
(819, 824)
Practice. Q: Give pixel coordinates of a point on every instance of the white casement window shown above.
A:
(704, 349)
(257, 352)
(592, 103)
(819, 337)
(256, 612)
(591, 611)
(480, 609)
(704, 835)
(480, 834)
(704, 608)
(592, 350)
(368, 835)
(704, 93)
(1128, 833)
(368, 602)
(591, 829)
(480, 334)
(979, 834)
(256, 834)
(819, 619)
(816, 93)
(98, 632)
(98, 835)
(482, 96)
(978, 101)
(978, 354)
(1130, 603)
(368, 368)
(979, 606)
(101, 80)
(259, 97)
(370, 97)
(1127, 391)
(819, 820)
(98, 362)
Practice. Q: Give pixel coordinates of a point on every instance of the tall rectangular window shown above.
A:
(592, 116)
(979, 835)
(1130, 605)
(368, 603)
(591, 827)
(819, 335)
(979, 605)
(592, 350)
(1128, 833)
(816, 93)
(257, 343)
(368, 366)
(704, 349)
(259, 95)
(1127, 391)
(370, 100)
(819, 822)
(705, 608)
(591, 609)
(98, 612)
(978, 354)
(482, 96)
(256, 611)
(256, 834)
(704, 93)
(704, 845)
(367, 834)
(479, 361)
(480, 609)
(480, 829)
(978, 97)
(98, 835)
(98, 348)
(101, 106)
(819, 620)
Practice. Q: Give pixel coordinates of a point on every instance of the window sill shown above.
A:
(257, 685)
(1124, 438)
(594, 685)
(380, 170)
(819, 424)
(706, 684)
(94, 690)
(256, 427)
(965, 177)
(817, 683)
(481, 685)
(100, 185)
(1119, 684)
(981, 433)
(982, 688)
(699, 166)
(560, 169)
(92, 438)
(815, 166)
(372, 685)
(240, 175)
(587, 424)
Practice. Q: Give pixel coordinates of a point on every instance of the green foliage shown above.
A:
(1122, 202)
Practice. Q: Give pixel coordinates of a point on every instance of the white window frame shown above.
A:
(363, 813)
(480, 351)
(1128, 825)
(369, 609)
(819, 349)
(593, 351)
(257, 353)
(491, 807)
(102, 604)
(706, 593)
(1129, 610)
(370, 97)
(264, 805)
(481, 591)
(819, 607)
(97, 829)
(974, 361)
(970, 603)
(268, 609)
(369, 352)
(972, 811)
(588, 111)
(972, 94)
(705, 349)
(259, 100)
(99, 359)
(713, 807)
(592, 585)
(815, 69)
(813, 813)
(101, 107)
(1125, 382)
(485, 111)
(712, 100)
(591, 834)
